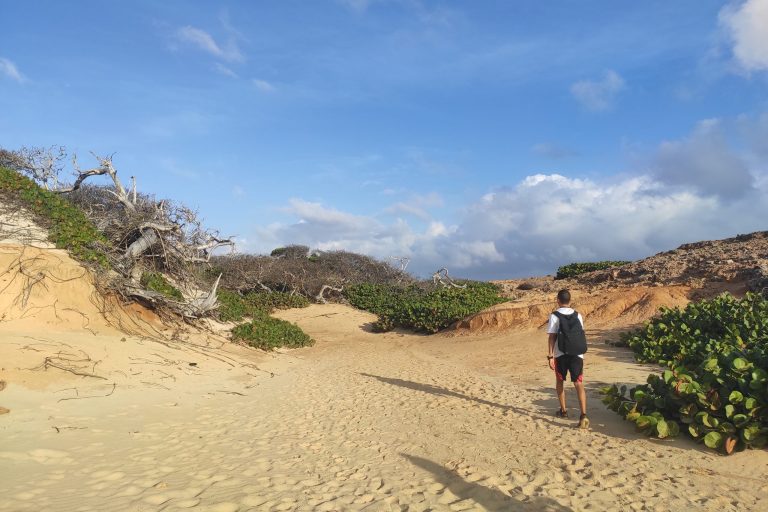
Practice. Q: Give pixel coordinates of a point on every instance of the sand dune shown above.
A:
(359, 422)
(606, 308)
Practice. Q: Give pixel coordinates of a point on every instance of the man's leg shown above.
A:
(577, 375)
(560, 392)
(582, 396)
(560, 373)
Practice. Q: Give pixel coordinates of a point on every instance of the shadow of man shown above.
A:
(487, 497)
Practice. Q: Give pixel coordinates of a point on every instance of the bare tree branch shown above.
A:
(320, 296)
(442, 278)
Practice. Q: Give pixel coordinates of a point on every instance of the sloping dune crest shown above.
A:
(606, 309)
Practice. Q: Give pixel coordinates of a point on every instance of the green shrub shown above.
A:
(275, 300)
(155, 281)
(263, 331)
(688, 336)
(575, 269)
(421, 310)
(268, 333)
(715, 386)
(234, 306)
(68, 227)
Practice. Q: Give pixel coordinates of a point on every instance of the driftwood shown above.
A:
(442, 278)
(320, 296)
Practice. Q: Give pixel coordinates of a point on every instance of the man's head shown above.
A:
(564, 297)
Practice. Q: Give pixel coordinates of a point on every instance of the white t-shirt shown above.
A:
(554, 326)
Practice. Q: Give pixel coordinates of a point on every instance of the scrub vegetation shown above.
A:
(715, 385)
(576, 269)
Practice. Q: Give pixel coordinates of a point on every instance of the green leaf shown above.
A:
(750, 433)
(674, 428)
(739, 364)
(696, 430)
(646, 423)
(727, 428)
(740, 420)
(662, 429)
(713, 440)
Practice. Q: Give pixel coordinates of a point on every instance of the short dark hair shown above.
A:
(564, 297)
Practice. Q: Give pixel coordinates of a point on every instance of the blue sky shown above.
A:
(499, 139)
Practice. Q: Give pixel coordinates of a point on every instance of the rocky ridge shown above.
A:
(738, 263)
(741, 259)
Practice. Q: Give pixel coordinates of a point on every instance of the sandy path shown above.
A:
(359, 422)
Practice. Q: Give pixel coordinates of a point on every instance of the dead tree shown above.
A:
(146, 233)
(41, 164)
(105, 167)
(320, 297)
(442, 278)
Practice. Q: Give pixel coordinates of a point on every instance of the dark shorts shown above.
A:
(572, 364)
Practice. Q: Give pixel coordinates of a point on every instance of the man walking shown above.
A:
(567, 345)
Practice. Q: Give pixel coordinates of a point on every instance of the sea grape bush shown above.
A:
(711, 326)
(715, 386)
(268, 333)
(263, 331)
(419, 308)
(275, 300)
(234, 306)
(575, 269)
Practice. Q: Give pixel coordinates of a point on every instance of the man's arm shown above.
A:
(551, 351)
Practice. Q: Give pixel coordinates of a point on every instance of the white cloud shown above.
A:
(263, 85)
(408, 209)
(9, 69)
(699, 188)
(599, 94)
(205, 42)
(755, 132)
(542, 222)
(704, 162)
(319, 215)
(747, 26)
(224, 70)
(417, 205)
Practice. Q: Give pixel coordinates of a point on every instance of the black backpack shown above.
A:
(571, 339)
